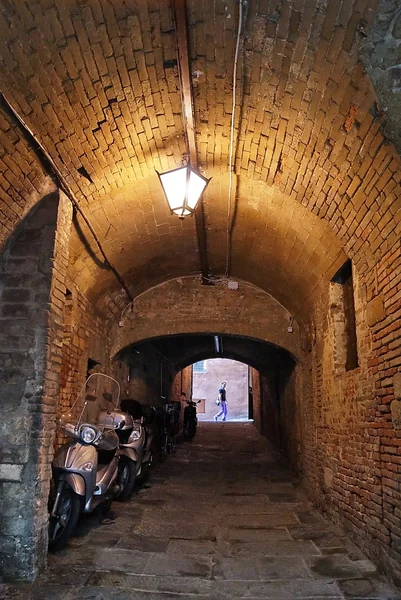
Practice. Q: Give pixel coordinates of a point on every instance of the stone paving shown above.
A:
(221, 519)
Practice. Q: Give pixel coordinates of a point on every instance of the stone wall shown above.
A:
(33, 267)
(382, 59)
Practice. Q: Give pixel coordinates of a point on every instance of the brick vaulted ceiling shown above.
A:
(97, 83)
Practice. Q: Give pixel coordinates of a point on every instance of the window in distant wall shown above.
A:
(199, 367)
(344, 278)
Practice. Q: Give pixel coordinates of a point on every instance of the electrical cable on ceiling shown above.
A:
(185, 158)
(230, 185)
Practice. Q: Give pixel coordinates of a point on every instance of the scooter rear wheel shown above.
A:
(171, 445)
(63, 525)
(189, 430)
(126, 479)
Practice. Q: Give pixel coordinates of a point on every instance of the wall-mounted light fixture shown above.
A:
(183, 188)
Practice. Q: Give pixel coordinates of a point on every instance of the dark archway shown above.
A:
(184, 350)
(274, 392)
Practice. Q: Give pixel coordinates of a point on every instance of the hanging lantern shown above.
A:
(183, 188)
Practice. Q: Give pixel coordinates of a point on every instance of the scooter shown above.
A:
(135, 444)
(85, 468)
(190, 419)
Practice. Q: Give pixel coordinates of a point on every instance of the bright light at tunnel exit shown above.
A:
(183, 188)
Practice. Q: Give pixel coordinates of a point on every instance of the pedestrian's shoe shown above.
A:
(215, 419)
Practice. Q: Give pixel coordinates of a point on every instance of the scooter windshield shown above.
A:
(100, 392)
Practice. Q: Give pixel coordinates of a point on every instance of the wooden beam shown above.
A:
(189, 122)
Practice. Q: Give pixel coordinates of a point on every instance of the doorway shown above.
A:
(207, 376)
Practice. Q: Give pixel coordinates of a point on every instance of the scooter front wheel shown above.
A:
(63, 524)
(126, 479)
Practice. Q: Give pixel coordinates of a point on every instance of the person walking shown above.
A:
(222, 402)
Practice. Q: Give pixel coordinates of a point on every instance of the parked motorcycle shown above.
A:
(167, 429)
(85, 468)
(175, 423)
(190, 419)
(135, 443)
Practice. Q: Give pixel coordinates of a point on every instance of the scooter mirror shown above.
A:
(107, 396)
(90, 398)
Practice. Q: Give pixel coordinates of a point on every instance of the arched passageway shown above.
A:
(295, 244)
(208, 377)
(276, 400)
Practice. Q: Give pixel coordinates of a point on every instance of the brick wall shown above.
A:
(315, 177)
(270, 406)
(341, 429)
(33, 267)
(150, 376)
(22, 182)
(185, 306)
(88, 336)
(256, 398)
(278, 409)
(182, 382)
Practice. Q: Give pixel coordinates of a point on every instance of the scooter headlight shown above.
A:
(135, 433)
(88, 435)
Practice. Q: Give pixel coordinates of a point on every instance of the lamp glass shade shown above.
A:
(174, 184)
(197, 184)
(183, 187)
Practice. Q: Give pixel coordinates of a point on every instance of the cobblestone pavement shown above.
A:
(222, 519)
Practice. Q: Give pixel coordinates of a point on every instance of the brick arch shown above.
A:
(288, 249)
(184, 351)
(209, 355)
(306, 127)
(184, 306)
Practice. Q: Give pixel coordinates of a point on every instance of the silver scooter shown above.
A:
(85, 468)
(135, 443)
